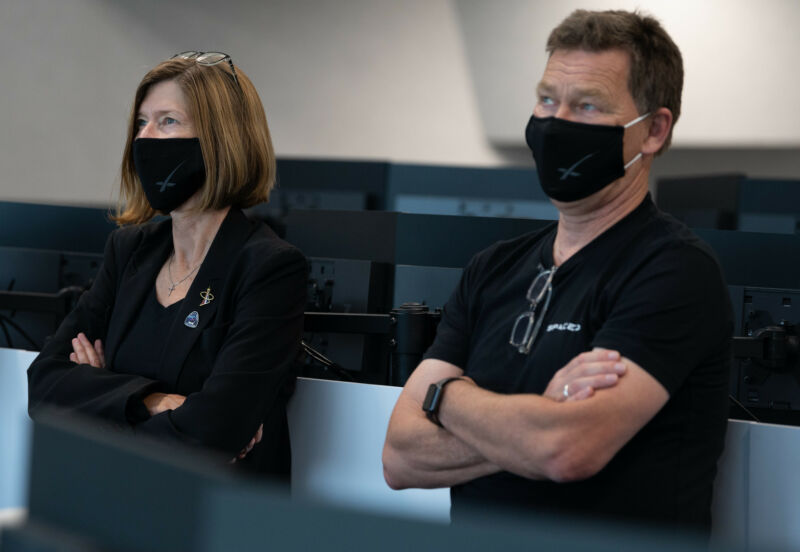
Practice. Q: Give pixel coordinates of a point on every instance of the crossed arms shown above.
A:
(84, 352)
(534, 436)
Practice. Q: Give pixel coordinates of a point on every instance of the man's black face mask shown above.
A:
(171, 170)
(576, 160)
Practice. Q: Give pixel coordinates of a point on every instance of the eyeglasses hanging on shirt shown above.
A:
(527, 325)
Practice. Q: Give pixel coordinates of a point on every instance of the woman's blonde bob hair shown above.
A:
(234, 138)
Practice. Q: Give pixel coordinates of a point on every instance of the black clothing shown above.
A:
(152, 323)
(235, 366)
(648, 288)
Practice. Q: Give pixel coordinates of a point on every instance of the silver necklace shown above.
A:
(173, 284)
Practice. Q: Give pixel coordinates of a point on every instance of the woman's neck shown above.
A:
(193, 232)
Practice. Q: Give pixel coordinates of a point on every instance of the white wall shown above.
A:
(368, 79)
(740, 63)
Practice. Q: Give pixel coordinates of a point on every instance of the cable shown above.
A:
(20, 331)
(325, 361)
(9, 344)
(10, 287)
(743, 407)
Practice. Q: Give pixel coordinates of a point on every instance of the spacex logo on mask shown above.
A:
(164, 184)
(179, 159)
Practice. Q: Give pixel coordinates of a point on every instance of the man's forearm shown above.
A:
(504, 436)
(419, 453)
(538, 438)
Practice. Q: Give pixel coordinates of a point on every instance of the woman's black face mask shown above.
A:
(576, 160)
(171, 170)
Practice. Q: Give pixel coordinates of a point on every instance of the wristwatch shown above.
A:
(433, 400)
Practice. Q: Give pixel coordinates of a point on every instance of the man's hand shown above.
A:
(157, 403)
(595, 369)
(84, 353)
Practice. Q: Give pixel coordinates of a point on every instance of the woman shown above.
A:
(190, 329)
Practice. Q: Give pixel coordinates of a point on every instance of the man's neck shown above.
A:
(581, 223)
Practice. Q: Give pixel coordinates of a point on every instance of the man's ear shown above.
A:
(660, 125)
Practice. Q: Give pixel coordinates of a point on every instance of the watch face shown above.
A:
(431, 398)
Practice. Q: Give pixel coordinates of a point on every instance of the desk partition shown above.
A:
(337, 432)
(15, 427)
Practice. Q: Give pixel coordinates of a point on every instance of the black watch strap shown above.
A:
(433, 399)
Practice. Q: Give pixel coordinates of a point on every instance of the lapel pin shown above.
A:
(192, 320)
(207, 296)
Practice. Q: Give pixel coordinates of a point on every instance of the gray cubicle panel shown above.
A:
(99, 485)
(769, 206)
(756, 505)
(337, 432)
(38, 271)
(756, 259)
(468, 191)
(400, 238)
(429, 285)
(732, 202)
(409, 188)
(330, 184)
(15, 427)
(702, 201)
(54, 227)
(116, 493)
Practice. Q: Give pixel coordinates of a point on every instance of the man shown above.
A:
(591, 360)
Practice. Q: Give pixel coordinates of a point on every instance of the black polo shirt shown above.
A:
(648, 288)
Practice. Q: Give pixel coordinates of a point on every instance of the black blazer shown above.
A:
(236, 367)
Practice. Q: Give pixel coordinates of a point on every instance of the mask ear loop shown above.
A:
(637, 119)
(638, 155)
(632, 161)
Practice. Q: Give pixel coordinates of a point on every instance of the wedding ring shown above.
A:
(565, 393)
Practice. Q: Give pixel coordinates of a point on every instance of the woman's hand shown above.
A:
(84, 353)
(253, 442)
(595, 369)
(157, 403)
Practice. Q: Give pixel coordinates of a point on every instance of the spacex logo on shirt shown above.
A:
(564, 327)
